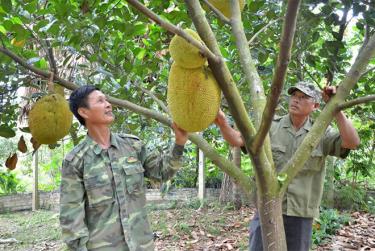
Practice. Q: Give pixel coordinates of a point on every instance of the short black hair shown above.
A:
(78, 99)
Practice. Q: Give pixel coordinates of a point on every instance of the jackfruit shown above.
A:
(224, 6)
(50, 119)
(58, 89)
(193, 97)
(185, 54)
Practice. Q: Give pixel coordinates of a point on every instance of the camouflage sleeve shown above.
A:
(72, 208)
(332, 144)
(161, 167)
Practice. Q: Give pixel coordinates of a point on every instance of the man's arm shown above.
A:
(162, 167)
(72, 209)
(232, 136)
(348, 134)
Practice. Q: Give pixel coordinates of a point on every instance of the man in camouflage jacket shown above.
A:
(102, 197)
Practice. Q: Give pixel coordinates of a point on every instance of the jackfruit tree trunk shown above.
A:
(269, 205)
(271, 220)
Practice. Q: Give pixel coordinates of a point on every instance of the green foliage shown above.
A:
(328, 223)
(370, 205)
(8, 147)
(361, 161)
(9, 183)
(351, 197)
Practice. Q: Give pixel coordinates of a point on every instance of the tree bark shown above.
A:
(271, 220)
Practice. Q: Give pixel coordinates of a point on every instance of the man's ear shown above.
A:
(83, 112)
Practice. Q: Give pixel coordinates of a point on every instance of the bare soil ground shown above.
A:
(213, 227)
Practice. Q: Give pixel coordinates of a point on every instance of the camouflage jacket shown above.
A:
(102, 197)
(304, 192)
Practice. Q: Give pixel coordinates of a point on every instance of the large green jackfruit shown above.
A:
(185, 54)
(224, 6)
(193, 97)
(50, 119)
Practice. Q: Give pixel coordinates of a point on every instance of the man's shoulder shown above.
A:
(277, 119)
(76, 151)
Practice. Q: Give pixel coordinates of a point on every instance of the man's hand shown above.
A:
(180, 134)
(328, 92)
(220, 119)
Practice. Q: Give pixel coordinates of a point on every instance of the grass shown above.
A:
(31, 229)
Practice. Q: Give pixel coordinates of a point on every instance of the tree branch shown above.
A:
(310, 75)
(218, 13)
(224, 164)
(247, 63)
(51, 57)
(278, 80)
(152, 95)
(173, 29)
(261, 30)
(344, 23)
(357, 101)
(44, 74)
(258, 98)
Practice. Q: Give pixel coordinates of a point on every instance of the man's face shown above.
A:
(99, 110)
(301, 104)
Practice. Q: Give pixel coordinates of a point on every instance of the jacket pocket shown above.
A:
(134, 177)
(278, 155)
(99, 190)
(315, 162)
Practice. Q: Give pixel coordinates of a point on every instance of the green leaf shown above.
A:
(141, 53)
(42, 64)
(16, 20)
(31, 7)
(3, 30)
(6, 132)
(25, 129)
(7, 5)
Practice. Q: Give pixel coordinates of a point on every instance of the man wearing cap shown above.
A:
(302, 198)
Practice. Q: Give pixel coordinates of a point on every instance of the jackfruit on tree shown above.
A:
(185, 54)
(58, 89)
(50, 119)
(224, 6)
(193, 97)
